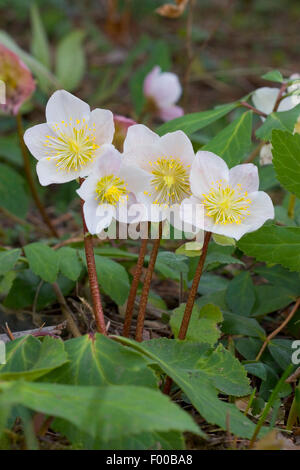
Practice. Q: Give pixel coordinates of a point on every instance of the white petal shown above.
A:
(164, 88)
(137, 136)
(104, 124)
(170, 112)
(138, 180)
(192, 212)
(177, 145)
(206, 170)
(62, 106)
(97, 217)
(35, 138)
(264, 99)
(288, 103)
(48, 173)
(246, 175)
(87, 188)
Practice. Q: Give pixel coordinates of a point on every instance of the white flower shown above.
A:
(167, 160)
(265, 155)
(71, 141)
(264, 98)
(109, 191)
(232, 203)
(163, 89)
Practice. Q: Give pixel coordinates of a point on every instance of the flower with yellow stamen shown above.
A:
(232, 203)
(73, 138)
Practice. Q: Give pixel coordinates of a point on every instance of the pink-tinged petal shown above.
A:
(164, 88)
(139, 135)
(206, 170)
(137, 179)
(245, 175)
(63, 106)
(97, 217)
(172, 112)
(36, 137)
(265, 98)
(122, 125)
(103, 122)
(177, 145)
(141, 146)
(192, 212)
(18, 83)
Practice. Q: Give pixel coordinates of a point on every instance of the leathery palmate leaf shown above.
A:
(112, 411)
(29, 358)
(286, 160)
(8, 259)
(273, 244)
(99, 360)
(182, 361)
(203, 327)
(42, 260)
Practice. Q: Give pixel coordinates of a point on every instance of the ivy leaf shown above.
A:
(240, 295)
(28, 358)
(43, 261)
(283, 120)
(69, 262)
(102, 361)
(203, 323)
(273, 244)
(8, 260)
(191, 123)
(286, 160)
(183, 362)
(111, 412)
(233, 142)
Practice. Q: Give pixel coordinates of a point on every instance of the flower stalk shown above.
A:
(92, 273)
(146, 287)
(134, 287)
(30, 180)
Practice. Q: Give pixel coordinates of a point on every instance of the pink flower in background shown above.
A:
(122, 124)
(18, 81)
(163, 90)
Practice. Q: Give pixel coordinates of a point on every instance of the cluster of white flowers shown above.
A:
(155, 172)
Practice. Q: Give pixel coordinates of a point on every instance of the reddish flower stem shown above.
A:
(92, 273)
(134, 287)
(256, 111)
(146, 287)
(190, 302)
(279, 97)
(30, 181)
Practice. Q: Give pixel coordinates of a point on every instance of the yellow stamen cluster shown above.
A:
(170, 181)
(73, 145)
(110, 189)
(226, 205)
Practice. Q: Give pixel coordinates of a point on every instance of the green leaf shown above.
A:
(70, 60)
(191, 123)
(102, 361)
(190, 249)
(240, 294)
(218, 254)
(39, 42)
(170, 264)
(270, 299)
(28, 358)
(286, 160)
(42, 260)
(284, 120)
(273, 244)
(233, 142)
(203, 323)
(198, 378)
(237, 325)
(281, 277)
(273, 76)
(113, 278)
(69, 262)
(8, 260)
(110, 411)
(13, 195)
(267, 177)
(223, 240)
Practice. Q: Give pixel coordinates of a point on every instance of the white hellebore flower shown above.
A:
(167, 161)
(264, 98)
(163, 90)
(110, 190)
(265, 155)
(232, 203)
(70, 142)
